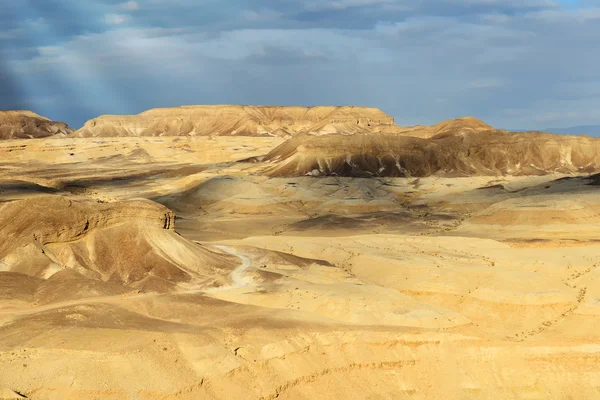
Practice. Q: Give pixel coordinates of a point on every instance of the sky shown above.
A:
(516, 64)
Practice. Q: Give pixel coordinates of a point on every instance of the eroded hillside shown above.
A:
(240, 121)
(176, 268)
(28, 125)
(489, 152)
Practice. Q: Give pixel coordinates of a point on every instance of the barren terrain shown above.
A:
(232, 120)
(184, 267)
(29, 125)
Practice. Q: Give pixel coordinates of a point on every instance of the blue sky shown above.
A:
(513, 63)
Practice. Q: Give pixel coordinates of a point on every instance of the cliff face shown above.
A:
(446, 154)
(241, 121)
(59, 219)
(29, 125)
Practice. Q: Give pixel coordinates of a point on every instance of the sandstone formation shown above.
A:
(129, 243)
(453, 126)
(177, 268)
(468, 153)
(240, 121)
(29, 125)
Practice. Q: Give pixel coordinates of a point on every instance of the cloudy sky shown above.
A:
(517, 64)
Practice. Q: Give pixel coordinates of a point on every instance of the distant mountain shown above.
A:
(592, 130)
(241, 120)
(28, 125)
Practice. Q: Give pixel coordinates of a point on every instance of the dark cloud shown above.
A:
(525, 64)
(11, 95)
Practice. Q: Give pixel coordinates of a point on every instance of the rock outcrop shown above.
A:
(241, 121)
(54, 219)
(469, 153)
(453, 126)
(129, 243)
(29, 125)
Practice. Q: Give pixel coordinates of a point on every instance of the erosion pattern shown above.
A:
(177, 268)
(453, 126)
(28, 125)
(240, 120)
(117, 245)
(489, 152)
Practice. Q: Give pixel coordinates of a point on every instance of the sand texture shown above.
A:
(212, 267)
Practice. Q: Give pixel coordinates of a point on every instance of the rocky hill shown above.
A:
(241, 121)
(452, 126)
(468, 153)
(29, 125)
(131, 243)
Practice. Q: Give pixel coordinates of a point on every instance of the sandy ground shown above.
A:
(288, 288)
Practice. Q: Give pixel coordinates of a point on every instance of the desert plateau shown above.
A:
(229, 252)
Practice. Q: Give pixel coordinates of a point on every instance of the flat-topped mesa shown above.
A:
(241, 121)
(29, 125)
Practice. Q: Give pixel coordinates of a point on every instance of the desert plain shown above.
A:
(297, 254)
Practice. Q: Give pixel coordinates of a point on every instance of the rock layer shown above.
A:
(490, 152)
(453, 126)
(29, 125)
(130, 243)
(72, 218)
(240, 121)
(430, 288)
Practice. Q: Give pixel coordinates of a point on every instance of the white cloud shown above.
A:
(38, 23)
(130, 6)
(317, 5)
(261, 16)
(479, 63)
(577, 15)
(116, 19)
(49, 51)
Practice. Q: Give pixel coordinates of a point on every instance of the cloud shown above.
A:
(570, 16)
(116, 19)
(261, 15)
(512, 63)
(130, 6)
(343, 4)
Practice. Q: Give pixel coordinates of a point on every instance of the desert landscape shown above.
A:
(228, 252)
